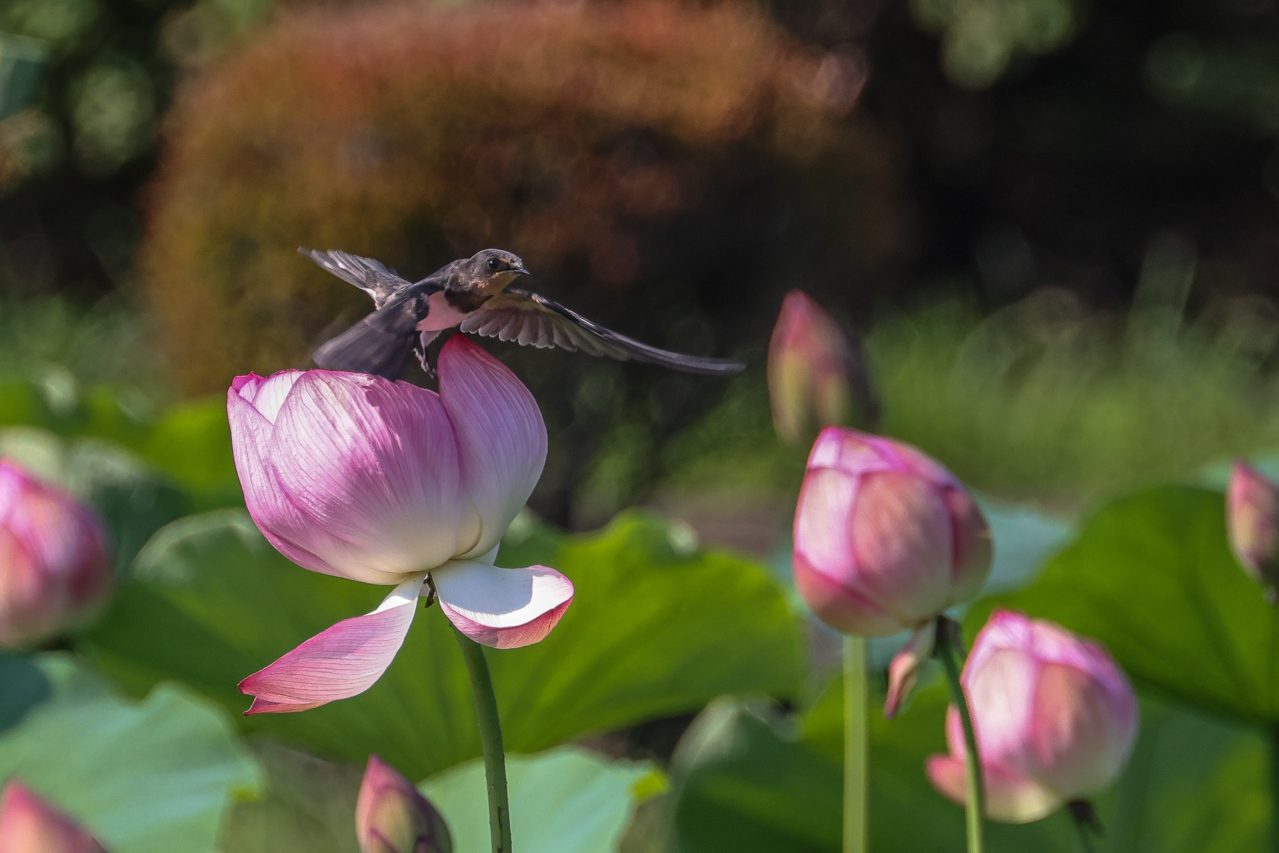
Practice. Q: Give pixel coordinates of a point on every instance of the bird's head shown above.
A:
(496, 268)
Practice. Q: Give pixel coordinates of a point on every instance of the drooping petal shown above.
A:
(375, 464)
(500, 435)
(906, 665)
(502, 608)
(28, 824)
(1010, 798)
(338, 663)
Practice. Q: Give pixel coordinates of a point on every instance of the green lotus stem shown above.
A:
(491, 739)
(1085, 838)
(1274, 788)
(855, 787)
(1085, 821)
(975, 807)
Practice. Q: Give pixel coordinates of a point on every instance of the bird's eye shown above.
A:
(494, 263)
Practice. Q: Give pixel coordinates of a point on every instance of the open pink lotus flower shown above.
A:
(28, 824)
(1055, 719)
(885, 537)
(388, 483)
(55, 572)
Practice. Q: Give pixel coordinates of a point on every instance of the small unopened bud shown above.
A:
(1252, 523)
(816, 373)
(904, 669)
(391, 816)
(55, 573)
(885, 537)
(28, 824)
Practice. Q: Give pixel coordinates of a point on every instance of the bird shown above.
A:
(476, 295)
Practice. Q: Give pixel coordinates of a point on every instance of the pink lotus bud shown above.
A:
(816, 373)
(28, 824)
(885, 537)
(55, 573)
(1055, 719)
(1252, 522)
(391, 816)
(388, 483)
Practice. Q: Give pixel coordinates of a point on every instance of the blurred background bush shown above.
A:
(1056, 223)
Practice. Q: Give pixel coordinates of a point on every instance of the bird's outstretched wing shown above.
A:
(373, 277)
(532, 320)
(379, 343)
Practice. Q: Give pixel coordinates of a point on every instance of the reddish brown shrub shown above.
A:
(613, 144)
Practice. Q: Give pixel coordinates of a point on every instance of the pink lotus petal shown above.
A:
(28, 824)
(283, 525)
(375, 464)
(502, 608)
(848, 450)
(972, 548)
(1000, 695)
(500, 435)
(1010, 798)
(267, 395)
(1076, 739)
(338, 663)
(841, 606)
(902, 544)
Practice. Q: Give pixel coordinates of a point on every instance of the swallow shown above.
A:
(474, 294)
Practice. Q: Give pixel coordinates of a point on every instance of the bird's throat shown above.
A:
(447, 308)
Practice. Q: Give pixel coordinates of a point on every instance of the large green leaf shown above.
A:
(656, 628)
(740, 786)
(1195, 784)
(565, 800)
(308, 806)
(1151, 577)
(192, 444)
(154, 777)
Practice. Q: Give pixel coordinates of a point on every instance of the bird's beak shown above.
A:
(521, 271)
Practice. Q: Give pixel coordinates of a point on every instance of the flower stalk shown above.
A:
(948, 652)
(491, 740)
(855, 763)
(1086, 824)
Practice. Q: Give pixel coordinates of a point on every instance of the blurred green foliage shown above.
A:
(154, 777)
(655, 630)
(565, 800)
(1200, 629)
